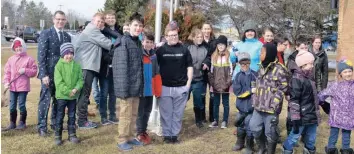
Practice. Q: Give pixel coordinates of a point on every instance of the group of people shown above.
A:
(127, 65)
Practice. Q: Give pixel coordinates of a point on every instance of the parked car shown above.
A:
(29, 33)
(25, 32)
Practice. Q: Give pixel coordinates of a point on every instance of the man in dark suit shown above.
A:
(48, 56)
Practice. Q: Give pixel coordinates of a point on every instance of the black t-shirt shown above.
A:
(174, 61)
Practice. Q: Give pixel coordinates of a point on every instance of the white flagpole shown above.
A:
(154, 120)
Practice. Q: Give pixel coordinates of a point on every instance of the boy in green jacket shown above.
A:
(68, 81)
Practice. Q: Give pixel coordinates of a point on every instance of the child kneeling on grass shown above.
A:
(304, 106)
(18, 71)
(341, 108)
(68, 81)
(244, 86)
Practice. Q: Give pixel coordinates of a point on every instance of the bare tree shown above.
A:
(294, 18)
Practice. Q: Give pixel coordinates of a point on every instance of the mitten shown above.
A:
(326, 107)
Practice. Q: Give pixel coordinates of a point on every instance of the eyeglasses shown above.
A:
(60, 19)
(173, 36)
(244, 64)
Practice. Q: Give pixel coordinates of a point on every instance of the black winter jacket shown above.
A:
(321, 70)
(211, 47)
(107, 55)
(303, 101)
(127, 65)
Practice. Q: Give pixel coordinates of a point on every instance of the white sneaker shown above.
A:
(214, 124)
(223, 125)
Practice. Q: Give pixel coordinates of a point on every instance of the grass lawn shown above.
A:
(103, 139)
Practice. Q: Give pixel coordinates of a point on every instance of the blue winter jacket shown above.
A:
(242, 89)
(251, 46)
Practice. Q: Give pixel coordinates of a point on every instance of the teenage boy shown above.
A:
(176, 68)
(128, 78)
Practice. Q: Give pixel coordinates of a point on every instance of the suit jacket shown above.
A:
(49, 52)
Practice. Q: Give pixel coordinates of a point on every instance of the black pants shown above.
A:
(145, 107)
(84, 98)
(71, 105)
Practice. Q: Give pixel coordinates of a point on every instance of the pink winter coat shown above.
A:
(14, 64)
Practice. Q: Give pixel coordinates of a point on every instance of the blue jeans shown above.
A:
(96, 90)
(309, 140)
(106, 89)
(333, 137)
(199, 90)
(225, 103)
(19, 97)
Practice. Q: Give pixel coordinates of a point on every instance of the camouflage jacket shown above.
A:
(272, 84)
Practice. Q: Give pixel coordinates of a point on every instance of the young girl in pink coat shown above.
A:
(18, 71)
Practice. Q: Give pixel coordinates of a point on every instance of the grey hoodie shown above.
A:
(88, 48)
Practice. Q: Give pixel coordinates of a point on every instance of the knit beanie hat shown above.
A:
(304, 57)
(243, 56)
(343, 65)
(66, 48)
(271, 54)
(221, 39)
(17, 43)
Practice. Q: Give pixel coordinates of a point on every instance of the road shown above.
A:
(5, 44)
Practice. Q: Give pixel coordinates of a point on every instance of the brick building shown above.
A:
(346, 29)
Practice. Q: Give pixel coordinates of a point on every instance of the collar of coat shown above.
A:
(271, 65)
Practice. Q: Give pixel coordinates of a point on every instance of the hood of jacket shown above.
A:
(24, 46)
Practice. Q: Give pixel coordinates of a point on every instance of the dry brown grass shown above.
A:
(103, 139)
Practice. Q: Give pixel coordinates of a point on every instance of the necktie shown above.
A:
(61, 37)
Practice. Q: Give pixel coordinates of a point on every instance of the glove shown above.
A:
(325, 106)
(21, 71)
(296, 125)
(253, 90)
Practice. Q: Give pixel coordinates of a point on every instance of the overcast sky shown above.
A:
(86, 8)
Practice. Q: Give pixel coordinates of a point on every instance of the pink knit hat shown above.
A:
(304, 57)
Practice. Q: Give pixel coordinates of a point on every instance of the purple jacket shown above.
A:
(342, 105)
(272, 84)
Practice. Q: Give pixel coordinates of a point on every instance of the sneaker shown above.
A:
(74, 139)
(135, 142)
(105, 122)
(145, 138)
(213, 124)
(114, 121)
(88, 125)
(124, 146)
(223, 125)
(42, 133)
